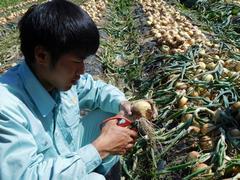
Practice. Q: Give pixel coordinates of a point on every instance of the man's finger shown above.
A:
(132, 133)
(129, 146)
(126, 108)
(121, 113)
(111, 122)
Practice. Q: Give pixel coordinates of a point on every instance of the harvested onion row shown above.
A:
(11, 14)
(95, 9)
(19, 5)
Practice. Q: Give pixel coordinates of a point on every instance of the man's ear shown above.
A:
(42, 56)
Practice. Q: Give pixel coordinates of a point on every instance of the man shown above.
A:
(42, 134)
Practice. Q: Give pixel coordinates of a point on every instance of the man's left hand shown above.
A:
(125, 108)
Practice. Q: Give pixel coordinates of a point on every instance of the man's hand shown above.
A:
(125, 108)
(114, 139)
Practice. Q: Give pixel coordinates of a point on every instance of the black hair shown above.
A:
(60, 27)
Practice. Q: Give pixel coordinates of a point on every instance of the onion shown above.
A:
(208, 77)
(181, 85)
(199, 166)
(229, 61)
(236, 106)
(183, 101)
(211, 65)
(193, 130)
(232, 171)
(237, 68)
(217, 57)
(206, 143)
(235, 132)
(202, 65)
(143, 108)
(194, 94)
(165, 48)
(193, 155)
(206, 128)
(186, 117)
(202, 52)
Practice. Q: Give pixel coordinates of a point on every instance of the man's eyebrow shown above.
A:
(78, 59)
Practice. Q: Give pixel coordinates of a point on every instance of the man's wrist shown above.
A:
(103, 153)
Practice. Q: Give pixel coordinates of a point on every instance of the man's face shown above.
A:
(65, 73)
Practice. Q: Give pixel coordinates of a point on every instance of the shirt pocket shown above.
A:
(71, 112)
(41, 137)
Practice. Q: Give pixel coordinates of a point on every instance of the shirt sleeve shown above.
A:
(97, 94)
(20, 157)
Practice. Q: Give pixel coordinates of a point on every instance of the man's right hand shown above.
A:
(114, 139)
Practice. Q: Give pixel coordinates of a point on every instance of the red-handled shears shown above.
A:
(122, 121)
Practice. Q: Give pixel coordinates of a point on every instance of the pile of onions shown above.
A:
(174, 32)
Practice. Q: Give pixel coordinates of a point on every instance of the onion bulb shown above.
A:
(202, 65)
(186, 117)
(199, 166)
(207, 127)
(208, 77)
(193, 130)
(236, 106)
(235, 132)
(182, 102)
(145, 109)
(181, 85)
(206, 143)
(232, 171)
(193, 155)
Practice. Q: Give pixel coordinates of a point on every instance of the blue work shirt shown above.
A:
(39, 132)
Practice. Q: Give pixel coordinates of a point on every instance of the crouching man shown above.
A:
(42, 133)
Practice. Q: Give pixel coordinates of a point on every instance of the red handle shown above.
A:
(122, 121)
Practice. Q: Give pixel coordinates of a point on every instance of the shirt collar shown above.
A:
(42, 99)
